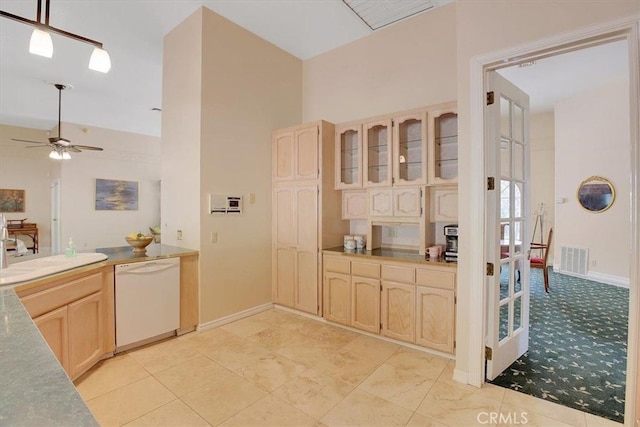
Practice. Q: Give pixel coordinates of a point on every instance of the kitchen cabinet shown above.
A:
(410, 302)
(377, 147)
(75, 315)
(348, 170)
(306, 214)
(443, 144)
(444, 204)
(395, 202)
(410, 148)
(354, 204)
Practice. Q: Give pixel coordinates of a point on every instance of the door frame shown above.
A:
(624, 28)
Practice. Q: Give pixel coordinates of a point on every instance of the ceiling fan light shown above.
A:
(100, 60)
(55, 155)
(41, 44)
(66, 155)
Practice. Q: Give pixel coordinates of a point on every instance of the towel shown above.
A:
(21, 248)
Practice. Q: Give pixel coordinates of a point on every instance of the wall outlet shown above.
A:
(392, 232)
(593, 263)
(179, 236)
(213, 237)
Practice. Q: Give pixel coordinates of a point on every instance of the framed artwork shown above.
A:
(596, 194)
(116, 195)
(11, 200)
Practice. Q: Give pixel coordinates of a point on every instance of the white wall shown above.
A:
(543, 173)
(592, 138)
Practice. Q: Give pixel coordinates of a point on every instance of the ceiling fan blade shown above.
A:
(73, 149)
(26, 140)
(41, 146)
(86, 147)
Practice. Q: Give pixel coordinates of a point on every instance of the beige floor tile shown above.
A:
(209, 338)
(223, 399)
(109, 375)
(593, 421)
(404, 387)
(173, 414)
(347, 367)
(191, 375)
(307, 351)
(421, 421)
(271, 371)
(275, 317)
(510, 415)
(304, 326)
(132, 401)
(544, 407)
(373, 348)
(235, 354)
(330, 334)
(158, 357)
(363, 409)
(457, 405)
(245, 327)
(274, 338)
(270, 411)
(313, 393)
(424, 364)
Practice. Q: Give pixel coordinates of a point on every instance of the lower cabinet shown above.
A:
(409, 302)
(75, 317)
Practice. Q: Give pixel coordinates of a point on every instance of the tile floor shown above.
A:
(280, 369)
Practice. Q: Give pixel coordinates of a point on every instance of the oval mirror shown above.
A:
(596, 194)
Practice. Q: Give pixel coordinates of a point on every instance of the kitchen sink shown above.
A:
(42, 267)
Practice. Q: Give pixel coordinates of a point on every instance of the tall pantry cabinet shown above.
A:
(306, 213)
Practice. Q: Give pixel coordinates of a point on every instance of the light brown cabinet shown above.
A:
(306, 213)
(410, 148)
(443, 144)
(354, 204)
(348, 156)
(395, 202)
(75, 315)
(444, 204)
(377, 147)
(410, 302)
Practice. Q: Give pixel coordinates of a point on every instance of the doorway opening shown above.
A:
(573, 110)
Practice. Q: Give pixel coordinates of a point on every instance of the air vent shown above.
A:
(574, 261)
(380, 13)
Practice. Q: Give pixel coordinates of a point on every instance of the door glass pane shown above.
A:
(518, 200)
(516, 235)
(517, 285)
(349, 156)
(410, 150)
(505, 117)
(518, 160)
(518, 123)
(517, 313)
(505, 158)
(503, 330)
(377, 153)
(505, 200)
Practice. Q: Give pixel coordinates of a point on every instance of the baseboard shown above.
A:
(621, 282)
(460, 376)
(233, 317)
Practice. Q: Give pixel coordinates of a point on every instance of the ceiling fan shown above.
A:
(60, 146)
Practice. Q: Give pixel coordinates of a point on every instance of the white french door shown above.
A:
(507, 225)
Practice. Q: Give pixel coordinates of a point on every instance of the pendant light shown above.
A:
(41, 44)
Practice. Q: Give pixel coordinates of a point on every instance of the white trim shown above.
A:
(233, 317)
(607, 279)
(628, 27)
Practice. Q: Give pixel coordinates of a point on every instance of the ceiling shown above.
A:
(132, 32)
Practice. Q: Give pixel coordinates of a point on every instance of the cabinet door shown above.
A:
(283, 147)
(307, 281)
(86, 333)
(54, 328)
(407, 202)
(398, 311)
(365, 304)
(377, 137)
(354, 204)
(443, 144)
(337, 297)
(284, 233)
(381, 202)
(284, 276)
(435, 318)
(306, 153)
(306, 217)
(410, 149)
(348, 156)
(444, 205)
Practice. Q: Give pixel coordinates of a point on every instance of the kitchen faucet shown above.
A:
(4, 236)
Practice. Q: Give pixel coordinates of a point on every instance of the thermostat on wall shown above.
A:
(222, 204)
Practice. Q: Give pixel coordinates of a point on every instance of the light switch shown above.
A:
(252, 197)
(213, 237)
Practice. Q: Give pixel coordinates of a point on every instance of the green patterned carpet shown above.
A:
(577, 353)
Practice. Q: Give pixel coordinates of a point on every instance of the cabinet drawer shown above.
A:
(338, 265)
(436, 278)
(50, 299)
(365, 269)
(399, 274)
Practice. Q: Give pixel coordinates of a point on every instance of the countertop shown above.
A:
(124, 254)
(34, 389)
(391, 255)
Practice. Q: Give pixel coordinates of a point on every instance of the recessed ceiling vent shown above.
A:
(380, 13)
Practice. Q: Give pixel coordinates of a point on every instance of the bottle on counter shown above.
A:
(70, 251)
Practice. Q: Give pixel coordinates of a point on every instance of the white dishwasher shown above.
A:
(147, 301)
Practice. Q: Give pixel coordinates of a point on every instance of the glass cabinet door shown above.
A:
(377, 159)
(410, 149)
(443, 145)
(348, 156)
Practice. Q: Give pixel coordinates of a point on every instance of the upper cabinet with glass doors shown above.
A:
(410, 149)
(443, 144)
(377, 166)
(348, 156)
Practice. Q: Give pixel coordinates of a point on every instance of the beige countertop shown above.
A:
(391, 255)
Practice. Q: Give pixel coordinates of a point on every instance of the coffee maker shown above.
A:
(451, 239)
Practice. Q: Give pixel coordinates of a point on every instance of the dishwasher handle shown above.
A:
(148, 267)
